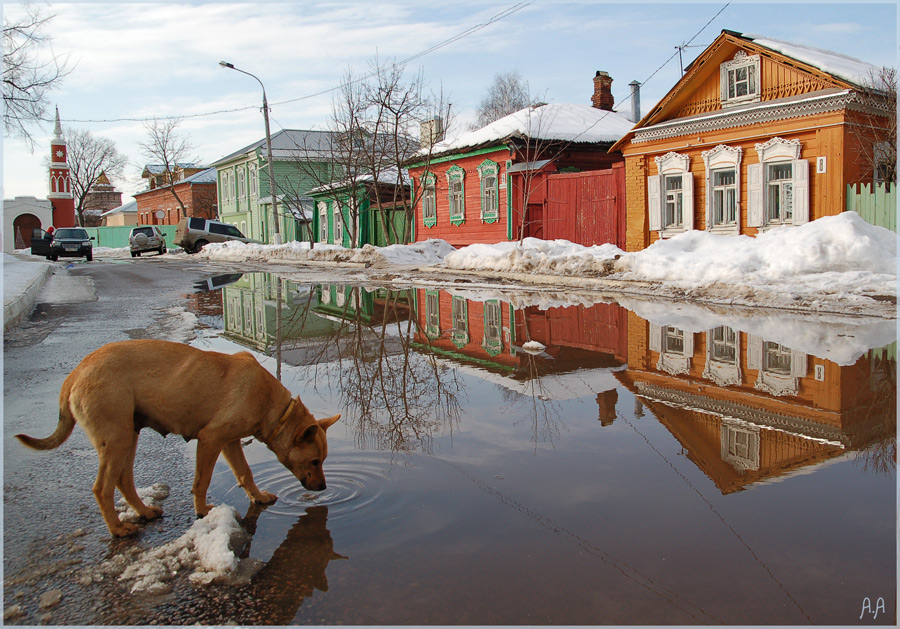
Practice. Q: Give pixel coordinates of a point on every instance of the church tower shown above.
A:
(60, 196)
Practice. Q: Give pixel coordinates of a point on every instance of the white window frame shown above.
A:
(493, 327)
(338, 228)
(671, 361)
(730, 79)
(323, 221)
(719, 369)
(723, 158)
(671, 166)
(777, 151)
(254, 180)
(240, 183)
(778, 382)
(225, 186)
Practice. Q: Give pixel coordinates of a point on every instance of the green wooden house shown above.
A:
(363, 211)
(302, 161)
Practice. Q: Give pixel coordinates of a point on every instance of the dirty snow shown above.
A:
(206, 551)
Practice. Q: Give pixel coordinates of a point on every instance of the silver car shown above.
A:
(147, 238)
(193, 233)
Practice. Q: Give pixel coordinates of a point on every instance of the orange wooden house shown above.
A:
(745, 408)
(757, 133)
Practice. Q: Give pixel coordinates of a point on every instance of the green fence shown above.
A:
(877, 207)
(117, 237)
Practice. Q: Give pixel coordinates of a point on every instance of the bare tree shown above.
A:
(89, 157)
(167, 148)
(875, 125)
(507, 94)
(27, 76)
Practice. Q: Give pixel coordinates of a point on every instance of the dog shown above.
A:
(217, 399)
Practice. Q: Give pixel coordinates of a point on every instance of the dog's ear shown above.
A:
(328, 421)
(309, 435)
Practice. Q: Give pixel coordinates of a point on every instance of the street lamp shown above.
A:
(277, 235)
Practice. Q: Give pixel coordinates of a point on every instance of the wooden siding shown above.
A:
(586, 208)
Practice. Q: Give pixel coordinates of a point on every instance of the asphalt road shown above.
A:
(52, 527)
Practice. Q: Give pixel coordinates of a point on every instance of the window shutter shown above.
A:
(655, 205)
(687, 199)
(655, 338)
(798, 364)
(754, 195)
(801, 191)
(709, 198)
(723, 83)
(754, 352)
(688, 344)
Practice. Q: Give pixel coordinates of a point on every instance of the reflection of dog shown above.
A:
(215, 398)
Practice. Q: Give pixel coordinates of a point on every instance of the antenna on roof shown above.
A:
(680, 49)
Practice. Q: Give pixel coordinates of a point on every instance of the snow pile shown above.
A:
(830, 255)
(207, 548)
(556, 257)
(151, 496)
(429, 252)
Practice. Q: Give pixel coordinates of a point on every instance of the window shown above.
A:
(456, 194)
(429, 200)
(780, 368)
(739, 79)
(776, 358)
(225, 196)
(674, 346)
(674, 208)
(724, 345)
(432, 314)
(673, 340)
(338, 225)
(490, 191)
(724, 210)
(740, 445)
(254, 181)
(671, 195)
(493, 342)
(460, 315)
(778, 187)
(323, 222)
(240, 183)
(722, 356)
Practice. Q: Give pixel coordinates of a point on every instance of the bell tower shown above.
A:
(61, 198)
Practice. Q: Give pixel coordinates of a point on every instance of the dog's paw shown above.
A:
(152, 512)
(266, 499)
(124, 529)
(201, 512)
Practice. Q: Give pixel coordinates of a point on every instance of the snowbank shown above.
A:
(207, 549)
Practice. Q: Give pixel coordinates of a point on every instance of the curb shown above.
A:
(20, 306)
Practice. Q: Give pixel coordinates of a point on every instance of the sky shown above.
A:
(131, 62)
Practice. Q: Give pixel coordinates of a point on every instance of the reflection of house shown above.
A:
(745, 408)
(491, 334)
(523, 174)
(758, 133)
(195, 187)
(250, 310)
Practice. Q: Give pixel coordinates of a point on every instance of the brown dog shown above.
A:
(215, 398)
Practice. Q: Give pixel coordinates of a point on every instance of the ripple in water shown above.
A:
(353, 484)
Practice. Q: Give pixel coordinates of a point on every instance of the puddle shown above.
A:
(509, 458)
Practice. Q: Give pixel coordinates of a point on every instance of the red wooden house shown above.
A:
(543, 171)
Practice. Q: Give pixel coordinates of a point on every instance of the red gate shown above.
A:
(586, 208)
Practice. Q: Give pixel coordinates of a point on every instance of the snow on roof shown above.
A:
(125, 208)
(204, 176)
(555, 121)
(841, 66)
(159, 169)
(388, 176)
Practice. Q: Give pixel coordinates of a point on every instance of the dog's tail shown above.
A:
(63, 428)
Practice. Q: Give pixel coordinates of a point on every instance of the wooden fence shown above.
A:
(878, 206)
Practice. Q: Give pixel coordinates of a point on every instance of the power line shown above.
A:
(473, 29)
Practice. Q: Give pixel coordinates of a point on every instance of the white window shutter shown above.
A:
(801, 191)
(754, 352)
(799, 364)
(688, 344)
(687, 199)
(754, 195)
(654, 184)
(655, 338)
(709, 199)
(723, 83)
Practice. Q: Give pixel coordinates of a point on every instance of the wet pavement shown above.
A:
(504, 457)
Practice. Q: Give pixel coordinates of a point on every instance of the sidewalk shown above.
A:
(23, 277)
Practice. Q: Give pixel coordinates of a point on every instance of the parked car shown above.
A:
(146, 238)
(71, 242)
(40, 242)
(193, 233)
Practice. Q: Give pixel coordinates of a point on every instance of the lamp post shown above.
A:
(277, 236)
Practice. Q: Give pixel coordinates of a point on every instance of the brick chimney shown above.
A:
(603, 98)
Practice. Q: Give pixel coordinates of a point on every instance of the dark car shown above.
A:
(71, 242)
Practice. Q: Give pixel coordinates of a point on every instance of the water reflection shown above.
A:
(748, 398)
